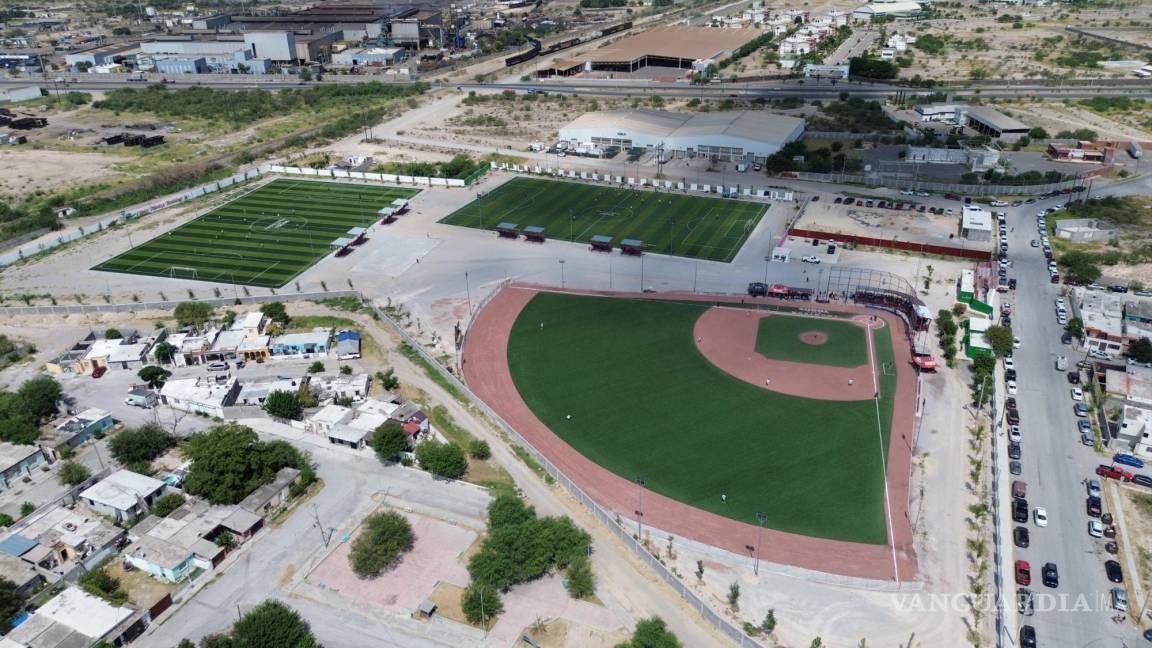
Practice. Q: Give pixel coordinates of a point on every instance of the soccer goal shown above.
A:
(182, 272)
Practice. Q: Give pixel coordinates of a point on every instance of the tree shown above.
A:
(316, 367)
(480, 603)
(385, 537)
(98, 582)
(1038, 133)
(192, 313)
(1000, 337)
(270, 625)
(276, 312)
(143, 443)
(185, 643)
(229, 462)
(6, 520)
(734, 596)
(305, 74)
(345, 370)
(27, 508)
(442, 459)
(154, 376)
(11, 604)
(40, 395)
(651, 633)
(113, 334)
(225, 540)
(479, 449)
(1140, 350)
(1080, 265)
(388, 379)
(228, 319)
(581, 580)
(72, 473)
(283, 405)
(1075, 326)
(389, 440)
(17, 425)
(165, 504)
(509, 510)
(769, 622)
(164, 352)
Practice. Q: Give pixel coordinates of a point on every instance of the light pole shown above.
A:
(641, 272)
(561, 274)
(468, 291)
(640, 510)
(767, 260)
(761, 518)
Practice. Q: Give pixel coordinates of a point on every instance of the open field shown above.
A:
(264, 238)
(667, 223)
(644, 403)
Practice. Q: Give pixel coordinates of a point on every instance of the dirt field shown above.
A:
(1058, 116)
(32, 170)
(902, 225)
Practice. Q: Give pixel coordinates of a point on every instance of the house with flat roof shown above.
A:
(338, 387)
(1103, 316)
(171, 548)
(59, 541)
(347, 345)
(1083, 230)
(345, 425)
(268, 499)
(1138, 318)
(251, 324)
(202, 395)
(995, 124)
(68, 361)
(976, 223)
(76, 619)
(192, 348)
(255, 392)
(302, 344)
(28, 581)
(17, 461)
(74, 430)
(123, 494)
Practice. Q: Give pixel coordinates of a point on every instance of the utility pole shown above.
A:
(640, 510)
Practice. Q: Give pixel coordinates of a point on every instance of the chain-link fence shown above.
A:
(82, 309)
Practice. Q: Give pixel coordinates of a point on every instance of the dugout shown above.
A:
(601, 243)
(358, 235)
(635, 247)
(343, 246)
(508, 230)
(387, 215)
(534, 233)
(400, 205)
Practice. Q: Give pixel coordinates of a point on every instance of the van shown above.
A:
(1019, 489)
(741, 168)
(218, 366)
(1061, 363)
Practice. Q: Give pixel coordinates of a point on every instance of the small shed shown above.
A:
(534, 233)
(508, 230)
(342, 245)
(387, 215)
(601, 243)
(427, 608)
(358, 235)
(634, 247)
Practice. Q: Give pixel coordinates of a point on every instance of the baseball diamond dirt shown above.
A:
(486, 369)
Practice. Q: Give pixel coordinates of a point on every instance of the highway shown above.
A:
(1054, 462)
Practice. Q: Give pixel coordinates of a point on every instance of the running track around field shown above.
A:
(486, 371)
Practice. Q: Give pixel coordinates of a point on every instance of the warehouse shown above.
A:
(729, 136)
(995, 124)
(902, 9)
(674, 47)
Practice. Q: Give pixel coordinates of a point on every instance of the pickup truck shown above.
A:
(1112, 472)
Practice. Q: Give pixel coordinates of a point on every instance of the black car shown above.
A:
(1118, 288)
(1094, 507)
(1024, 601)
(1049, 575)
(1009, 374)
(1019, 510)
(1027, 637)
(1112, 569)
(1013, 417)
(1011, 404)
(1016, 468)
(1143, 480)
(757, 289)
(1013, 450)
(1006, 320)
(1012, 284)
(1020, 537)
(1074, 377)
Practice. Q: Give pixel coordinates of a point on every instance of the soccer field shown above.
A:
(644, 402)
(667, 223)
(264, 238)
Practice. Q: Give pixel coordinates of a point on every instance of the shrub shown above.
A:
(385, 537)
(164, 506)
(479, 449)
(442, 459)
(480, 603)
(72, 473)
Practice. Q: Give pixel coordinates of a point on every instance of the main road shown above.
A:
(1076, 613)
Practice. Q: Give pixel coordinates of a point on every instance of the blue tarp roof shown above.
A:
(347, 335)
(17, 545)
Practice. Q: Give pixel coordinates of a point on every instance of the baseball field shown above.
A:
(264, 238)
(634, 385)
(667, 223)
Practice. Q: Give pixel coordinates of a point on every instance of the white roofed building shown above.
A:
(123, 494)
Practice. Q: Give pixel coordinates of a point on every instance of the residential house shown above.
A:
(171, 548)
(17, 461)
(76, 619)
(59, 541)
(302, 344)
(345, 425)
(129, 356)
(1103, 316)
(411, 413)
(254, 348)
(68, 361)
(1138, 318)
(28, 581)
(338, 387)
(192, 348)
(203, 395)
(97, 355)
(255, 392)
(123, 494)
(268, 499)
(74, 430)
(226, 346)
(347, 345)
(252, 324)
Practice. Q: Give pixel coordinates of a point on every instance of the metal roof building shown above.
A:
(722, 135)
(995, 124)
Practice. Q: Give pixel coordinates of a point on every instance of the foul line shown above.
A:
(883, 457)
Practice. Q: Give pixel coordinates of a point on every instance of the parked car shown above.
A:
(1011, 386)
(1143, 480)
(1113, 571)
(1086, 439)
(1011, 373)
(1015, 468)
(1013, 417)
(1077, 394)
(1040, 515)
(1127, 460)
(1093, 506)
(217, 366)
(1112, 472)
(1014, 450)
(1023, 573)
(1049, 575)
(1119, 599)
(98, 371)
(1093, 487)
(1014, 434)
(1074, 377)
(1081, 410)
(1027, 637)
(811, 259)
(838, 200)
(1019, 510)
(1095, 529)
(1024, 603)
(1020, 537)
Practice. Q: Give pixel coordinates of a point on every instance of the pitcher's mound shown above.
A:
(815, 338)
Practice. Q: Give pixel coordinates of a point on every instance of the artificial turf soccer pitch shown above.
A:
(667, 223)
(264, 238)
(644, 403)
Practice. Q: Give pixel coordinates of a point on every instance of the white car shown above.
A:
(1004, 263)
(811, 259)
(907, 192)
(923, 194)
(1015, 343)
(1077, 394)
(1095, 529)
(1009, 363)
(1060, 302)
(1040, 516)
(1012, 387)
(1093, 488)
(1014, 433)
(1062, 320)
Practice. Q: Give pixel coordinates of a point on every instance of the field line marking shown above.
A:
(883, 458)
(139, 263)
(253, 279)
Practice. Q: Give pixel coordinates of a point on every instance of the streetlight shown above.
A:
(561, 274)
(761, 518)
(767, 260)
(468, 290)
(640, 510)
(641, 272)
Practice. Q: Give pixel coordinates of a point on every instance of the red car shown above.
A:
(1023, 573)
(99, 371)
(1112, 472)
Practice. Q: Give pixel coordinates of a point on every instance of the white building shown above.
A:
(721, 135)
(976, 223)
(76, 618)
(200, 395)
(123, 494)
(888, 10)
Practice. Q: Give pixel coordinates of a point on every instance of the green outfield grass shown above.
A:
(778, 338)
(645, 403)
(264, 238)
(667, 223)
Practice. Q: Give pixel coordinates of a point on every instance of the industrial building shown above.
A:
(900, 9)
(728, 136)
(371, 56)
(693, 48)
(976, 224)
(982, 119)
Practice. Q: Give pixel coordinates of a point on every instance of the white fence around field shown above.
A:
(732, 191)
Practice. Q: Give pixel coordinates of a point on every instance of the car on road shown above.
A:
(1095, 529)
(217, 366)
(1011, 386)
(1009, 363)
(1015, 468)
(1060, 304)
(1049, 575)
(1086, 439)
(1015, 343)
(1010, 404)
(1013, 417)
(1119, 599)
(1019, 510)
(1127, 460)
(1040, 516)
(1017, 203)
(98, 371)
(1027, 637)
(1030, 201)
(1014, 434)
(1093, 487)
(1035, 243)
(1113, 571)
(1077, 394)
(1014, 451)
(1093, 506)
(1023, 573)
(757, 289)
(1084, 364)
(811, 259)
(1112, 472)
(1142, 480)
(1081, 410)
(1009, 374)
(1024, 603)
(1074, 377)
(1020, 537)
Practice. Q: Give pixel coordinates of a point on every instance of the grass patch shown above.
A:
(644, 403)
(349, 304)
(687, 226)
(778, 339)
(432, 372)
(1143, 502)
